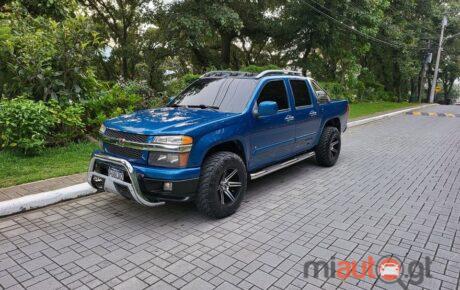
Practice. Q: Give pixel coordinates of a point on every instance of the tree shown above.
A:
(222, 34)
(43, 59)
(123, 20)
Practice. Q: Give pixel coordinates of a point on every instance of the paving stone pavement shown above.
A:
(395, 191)
(41, 186)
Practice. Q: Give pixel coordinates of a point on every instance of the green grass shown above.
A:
(365, 109)
(53, 162)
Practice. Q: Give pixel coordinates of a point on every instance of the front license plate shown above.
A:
(116, 173)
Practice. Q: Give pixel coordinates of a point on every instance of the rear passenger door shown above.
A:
(307, 120)
(272, 137)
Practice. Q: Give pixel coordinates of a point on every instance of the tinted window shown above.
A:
(276, 92)
(227, 94)
(300, 91)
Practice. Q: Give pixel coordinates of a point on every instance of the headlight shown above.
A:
(180, 146)
(173, 140)
(102, 129)
(168, 159)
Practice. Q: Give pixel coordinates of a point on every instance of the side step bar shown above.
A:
(279, 166)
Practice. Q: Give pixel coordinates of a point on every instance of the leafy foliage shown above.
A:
(24, 125)
(178, 84)
(110, 103)
(29, 126)
(67, 123)
(257, 69)
(47, 59)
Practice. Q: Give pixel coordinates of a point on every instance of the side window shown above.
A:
(300, 91)
(274, 91)
(321, 94)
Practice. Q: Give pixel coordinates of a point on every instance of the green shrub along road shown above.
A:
(16, 168)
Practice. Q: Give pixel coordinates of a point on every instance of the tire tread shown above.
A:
(203, 200)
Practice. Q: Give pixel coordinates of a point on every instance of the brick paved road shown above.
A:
(395, 190)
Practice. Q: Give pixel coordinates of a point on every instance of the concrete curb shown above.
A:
(32, 201)
(384, 116)
(43, 199)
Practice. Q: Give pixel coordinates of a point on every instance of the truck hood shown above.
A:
(165, 120)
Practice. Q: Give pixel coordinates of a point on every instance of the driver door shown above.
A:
(272, 137)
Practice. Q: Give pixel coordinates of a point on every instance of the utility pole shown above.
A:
(438, 57)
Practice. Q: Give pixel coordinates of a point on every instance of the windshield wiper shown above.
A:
(202, 106)
(175, 105)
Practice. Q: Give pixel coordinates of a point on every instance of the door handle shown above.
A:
(289, 118)
(313, 113)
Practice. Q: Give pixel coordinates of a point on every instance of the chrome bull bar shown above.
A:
(110, 182)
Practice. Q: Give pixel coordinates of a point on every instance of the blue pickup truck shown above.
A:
(223, 130)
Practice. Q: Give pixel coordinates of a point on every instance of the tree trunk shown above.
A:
(413, 90)
(396, 76)
(202, 60)
(420, 82)
(226, 43)
(124, 52)
(428, 92)
(304, 59)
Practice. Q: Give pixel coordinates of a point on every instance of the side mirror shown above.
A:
(322, 97)
(170, 100)
(267, 108)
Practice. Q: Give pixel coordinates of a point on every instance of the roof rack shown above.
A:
(266, 73)
(225, 73)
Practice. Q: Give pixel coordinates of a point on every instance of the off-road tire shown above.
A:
(208, 199)
(324, 154)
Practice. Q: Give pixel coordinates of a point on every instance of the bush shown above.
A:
(24, 125)
(68, 125)
(339, 91)
(46, 59)
(141, 88)
(110, 103)
(29, 126)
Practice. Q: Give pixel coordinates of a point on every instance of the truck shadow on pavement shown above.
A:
(174, 212)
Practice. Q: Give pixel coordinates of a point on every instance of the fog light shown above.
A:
(167, 186)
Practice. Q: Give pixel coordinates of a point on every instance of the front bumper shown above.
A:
(141, 184)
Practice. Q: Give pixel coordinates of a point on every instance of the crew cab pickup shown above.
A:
(223, 130)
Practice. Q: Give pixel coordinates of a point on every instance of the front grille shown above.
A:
(127, 136)
(124, 151)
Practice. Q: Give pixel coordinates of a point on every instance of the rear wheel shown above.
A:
(328, 149)
(222, 185)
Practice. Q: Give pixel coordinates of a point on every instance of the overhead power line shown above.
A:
(370, 37)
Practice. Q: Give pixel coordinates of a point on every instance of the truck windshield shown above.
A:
(223, 94)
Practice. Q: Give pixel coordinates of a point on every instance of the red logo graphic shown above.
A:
(389, 269)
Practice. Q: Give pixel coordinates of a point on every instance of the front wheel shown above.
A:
(222, 185)
(328, 149)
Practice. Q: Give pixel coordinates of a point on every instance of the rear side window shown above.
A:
(321, 94)
(301, 94)
(274, 91)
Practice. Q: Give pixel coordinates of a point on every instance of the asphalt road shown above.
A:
(395, 191)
